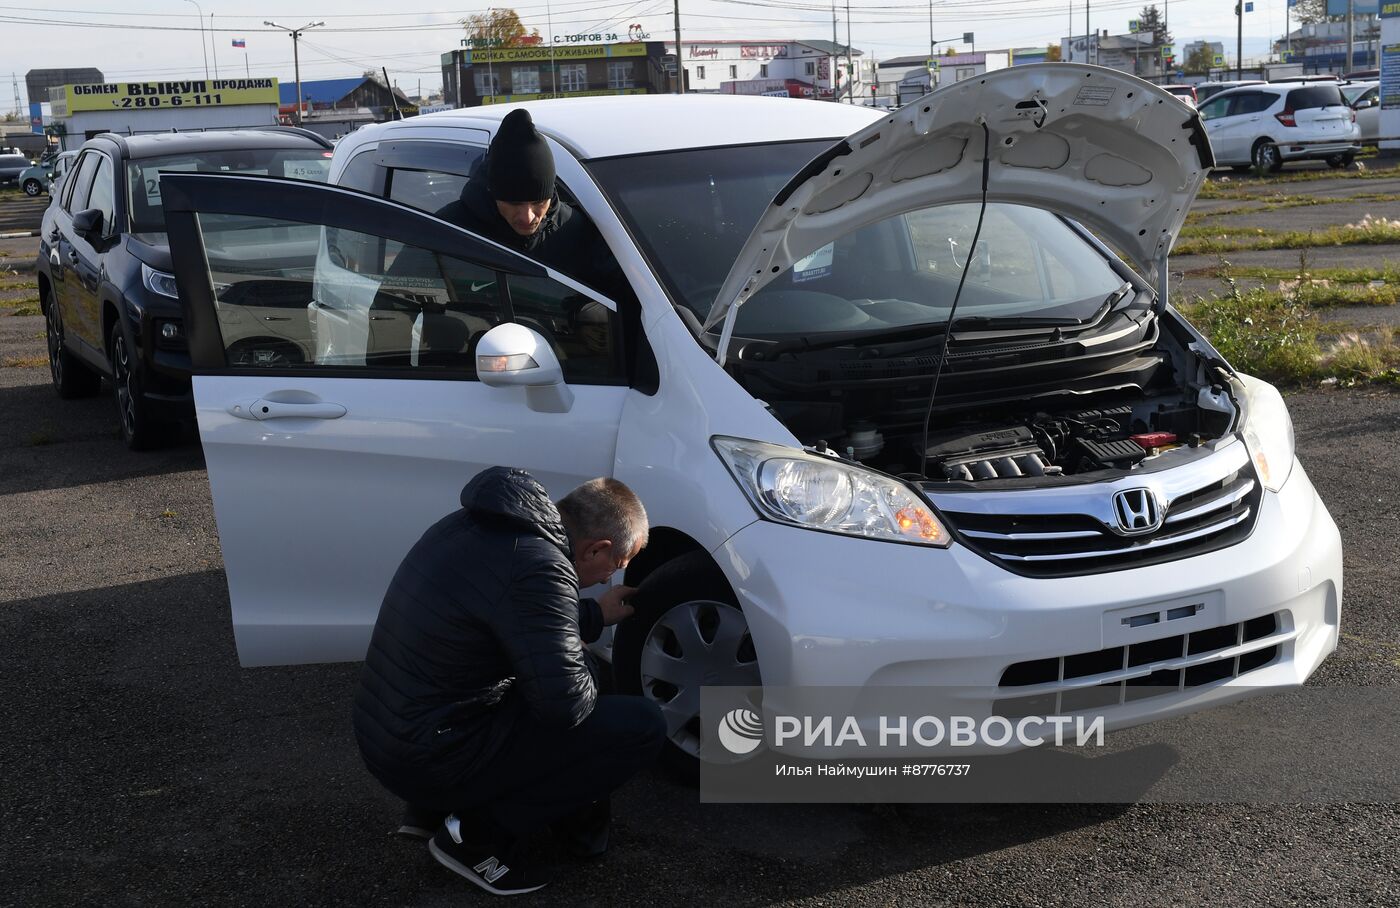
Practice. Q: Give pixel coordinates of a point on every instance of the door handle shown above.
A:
(262, 408)
(276, 318)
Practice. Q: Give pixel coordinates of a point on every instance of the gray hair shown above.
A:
(605, 508)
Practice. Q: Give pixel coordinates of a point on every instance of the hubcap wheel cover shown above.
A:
(694, 644)
(126, 401)
(54, 336)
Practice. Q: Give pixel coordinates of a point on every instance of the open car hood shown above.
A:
(1121, 156)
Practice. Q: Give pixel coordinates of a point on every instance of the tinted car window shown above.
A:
(79, 183)
(103, 197)
(1251, 102)
(1315, 96)
(1213, 110)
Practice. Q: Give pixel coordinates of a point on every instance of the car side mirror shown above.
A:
(514, 356)
(88, 223)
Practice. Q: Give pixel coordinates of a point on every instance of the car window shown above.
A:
(296, 295)
(103, 197)
(143, 175)
(1314, 96)
(1215, 108)
(77, 192)
(1251, 102)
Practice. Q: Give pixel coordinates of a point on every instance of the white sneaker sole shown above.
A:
(462, 870)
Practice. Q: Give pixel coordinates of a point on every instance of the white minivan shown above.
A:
(1092, 499)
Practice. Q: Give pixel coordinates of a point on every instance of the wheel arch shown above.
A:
(663, 544)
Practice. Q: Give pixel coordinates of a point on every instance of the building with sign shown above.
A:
(801, 69)
(362, 99)
(1322, 46)
(38, 82)
(82, 110)
(1134, 53)
(499, 75)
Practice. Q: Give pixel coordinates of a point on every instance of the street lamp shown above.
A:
(296, 58)
(202, 49)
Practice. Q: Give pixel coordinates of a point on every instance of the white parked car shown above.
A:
(1207, 90)
(1264, 126)
(1365, 99)
(1098, 502)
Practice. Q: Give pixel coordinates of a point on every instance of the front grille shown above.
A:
(1137, 671)
(1199, 520)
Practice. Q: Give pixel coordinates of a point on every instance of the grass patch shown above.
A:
(1385, 272)
(1279, 337)
(20, 362)
(1229, 186)
(1281, 202)
(1203, 240)
(27, 309)
(17, 283)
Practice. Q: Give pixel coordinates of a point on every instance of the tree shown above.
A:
(1052, 53)
(496, 28)
(1308, 12)
(1200, 61)
(1150, 20)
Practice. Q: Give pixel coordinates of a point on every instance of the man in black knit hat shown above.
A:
(511, 198)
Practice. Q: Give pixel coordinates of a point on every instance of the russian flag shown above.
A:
(239, 42)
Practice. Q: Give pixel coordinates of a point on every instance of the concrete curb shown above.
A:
(18, 236)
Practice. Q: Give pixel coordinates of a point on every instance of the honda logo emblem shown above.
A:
(1137, 511)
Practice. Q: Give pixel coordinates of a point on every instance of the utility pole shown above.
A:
(835, 57)
(214, 43)
(296, 58)
(202, 49)
(680, 70)
(1069, 35)
(1239, 40)
(850, 60)
(1088, 37)
(1351, 37)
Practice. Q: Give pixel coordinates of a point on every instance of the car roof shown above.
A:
(609, 126)
(168, 143)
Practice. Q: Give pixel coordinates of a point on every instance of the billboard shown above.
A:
(72, 99)
(1358, 7)
(547, 53)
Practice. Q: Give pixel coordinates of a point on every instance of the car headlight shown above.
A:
(805, 490)
(1267, 432)
(159, 282)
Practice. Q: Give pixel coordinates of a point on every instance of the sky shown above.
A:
(139, 40)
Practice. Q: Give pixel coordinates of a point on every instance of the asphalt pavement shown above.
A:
(140, 765)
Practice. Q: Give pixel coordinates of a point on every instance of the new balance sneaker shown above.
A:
(495, 869)
(419, 822)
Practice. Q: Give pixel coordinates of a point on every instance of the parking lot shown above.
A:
(141, 765)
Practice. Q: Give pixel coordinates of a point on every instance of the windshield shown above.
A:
(1353, 92)
(143, 175)
(691, 212)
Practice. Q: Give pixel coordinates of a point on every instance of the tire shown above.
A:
(32, 187)
(1340, 161)
(1241, 168)
(1266, 156)
(71, 377)
(687, 631)
(140, 430)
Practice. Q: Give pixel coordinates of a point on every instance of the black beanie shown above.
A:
(519, 166)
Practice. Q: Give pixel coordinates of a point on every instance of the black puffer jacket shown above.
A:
(567, 241)
(481, 625)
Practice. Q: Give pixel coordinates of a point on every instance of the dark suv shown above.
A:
(110, 304)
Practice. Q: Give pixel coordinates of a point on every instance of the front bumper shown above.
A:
(848, 613)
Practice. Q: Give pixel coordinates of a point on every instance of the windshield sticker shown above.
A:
(152, 178)
(1095, 95)
(816, 265)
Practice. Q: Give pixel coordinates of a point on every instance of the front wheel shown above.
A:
(1267, 157)
(32, 187)
(688, 632)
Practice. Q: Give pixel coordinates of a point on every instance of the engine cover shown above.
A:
(1001, 452)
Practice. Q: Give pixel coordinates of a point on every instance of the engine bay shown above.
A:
(1003, 418)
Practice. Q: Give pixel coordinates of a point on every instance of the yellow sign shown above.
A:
(544, 54)
(511, 99)
(164, 95)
